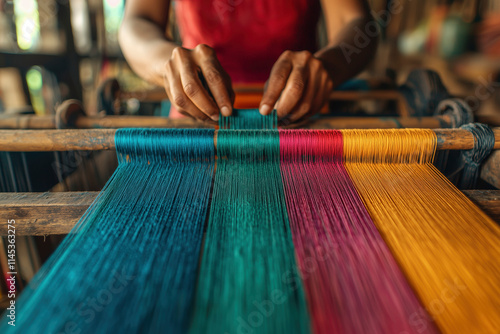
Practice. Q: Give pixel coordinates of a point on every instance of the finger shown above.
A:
(277, 81)
(328, 86)
(194, 90)
(320, 98)
(306, 103)
(218, 86)
(294, 90)
(217, 80)
(324, 86)
(179, 99)
(232, 95)
(296, 83)
(323, 98)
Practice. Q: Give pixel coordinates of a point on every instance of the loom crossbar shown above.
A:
(113, 122)
(104, 139)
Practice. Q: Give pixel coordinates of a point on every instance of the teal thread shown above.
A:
(129, 265)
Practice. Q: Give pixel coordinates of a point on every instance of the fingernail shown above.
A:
(265, 110)
(215, 117)
(225, 111)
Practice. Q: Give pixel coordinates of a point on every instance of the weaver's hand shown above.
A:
(197, 85)
(300, 83)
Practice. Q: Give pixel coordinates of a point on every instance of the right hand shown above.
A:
(185, 89)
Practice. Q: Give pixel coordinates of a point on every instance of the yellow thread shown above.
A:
(447, 247)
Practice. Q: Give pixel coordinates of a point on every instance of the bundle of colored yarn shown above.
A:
(446, 246)
(353, 283)
(129, 265)
(246, 281)
(327, 231)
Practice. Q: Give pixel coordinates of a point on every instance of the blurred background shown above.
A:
(54, 50)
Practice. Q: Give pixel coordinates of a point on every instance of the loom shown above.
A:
(279, 201)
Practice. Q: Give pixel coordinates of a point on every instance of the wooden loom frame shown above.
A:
(56, 213)
(107, 122)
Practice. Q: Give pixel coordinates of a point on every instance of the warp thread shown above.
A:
(249, 119)
(353, 284)
(129, 265)
(446, 246)
(248, 281)
(145, 231)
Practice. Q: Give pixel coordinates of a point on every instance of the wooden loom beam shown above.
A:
(58, 212)
(104, 139)
(111, 122)
(33, 122)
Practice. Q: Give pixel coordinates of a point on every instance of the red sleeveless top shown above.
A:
(248, 35)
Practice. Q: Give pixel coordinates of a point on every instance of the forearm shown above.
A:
(146, 48)
(350, 51)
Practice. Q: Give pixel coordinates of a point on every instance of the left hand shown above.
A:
(300, 83)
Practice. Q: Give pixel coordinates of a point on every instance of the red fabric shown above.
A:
(248, 35)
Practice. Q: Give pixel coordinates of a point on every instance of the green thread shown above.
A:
(248, 280)
(245, 119)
